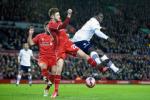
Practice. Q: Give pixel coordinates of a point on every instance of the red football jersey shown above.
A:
(45, 44)
(54, 27)
(65, 45)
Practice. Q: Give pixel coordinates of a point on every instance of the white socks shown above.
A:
(30, 79)
(114, 68)
(104, 57)
(99, 60)
(96, 57)
(18, 79)
(110, 64)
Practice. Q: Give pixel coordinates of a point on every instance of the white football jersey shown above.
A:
(25, 57)
(87, 31)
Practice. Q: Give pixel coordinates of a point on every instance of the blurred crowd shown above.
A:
(9, 67)
(122, 19)
(134, 68)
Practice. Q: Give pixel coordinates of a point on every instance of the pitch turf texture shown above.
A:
(76, 92)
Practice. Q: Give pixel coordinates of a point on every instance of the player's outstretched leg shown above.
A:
(105, 60)
(90, 60)
(109, 63)
(96, 57)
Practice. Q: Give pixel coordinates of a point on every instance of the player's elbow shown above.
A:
(30, 42)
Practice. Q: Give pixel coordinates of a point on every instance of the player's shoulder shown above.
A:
(21, 50)
(30, 50)
(94, 20)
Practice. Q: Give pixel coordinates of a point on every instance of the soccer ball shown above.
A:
(90, 82)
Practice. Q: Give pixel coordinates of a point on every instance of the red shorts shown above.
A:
(67, 48)
(49, 61)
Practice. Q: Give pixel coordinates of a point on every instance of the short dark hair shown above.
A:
(52, 11)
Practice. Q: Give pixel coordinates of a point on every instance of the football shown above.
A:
(90, 82)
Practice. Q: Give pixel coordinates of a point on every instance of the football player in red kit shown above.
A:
(63, 44)
(47, 55)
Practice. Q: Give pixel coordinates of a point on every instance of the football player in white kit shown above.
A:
(83, 36)
(24, 61)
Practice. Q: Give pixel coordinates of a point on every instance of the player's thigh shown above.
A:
(43, 64)
(82, 54)
(53, 70)
(23, 69)
(84, 45)
(60, 64)
(58, 68)
(71, 48)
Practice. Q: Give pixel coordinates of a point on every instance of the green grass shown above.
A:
(76, 92)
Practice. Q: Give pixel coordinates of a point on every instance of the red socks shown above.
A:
(51, 78)
(44, 73)
(92, 62)
(57, 82)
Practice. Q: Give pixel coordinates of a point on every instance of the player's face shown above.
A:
(100, 17)
(57, 16)
(26, 46)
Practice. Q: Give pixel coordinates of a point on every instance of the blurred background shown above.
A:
(127, 21)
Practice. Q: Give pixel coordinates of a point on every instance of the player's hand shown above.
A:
(111, 40)
(31, 30)
(104, 28)
(69, 11)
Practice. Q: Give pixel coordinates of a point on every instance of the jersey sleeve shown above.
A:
(96, 28)
(101, 34)
(95, 25)
(64, 24)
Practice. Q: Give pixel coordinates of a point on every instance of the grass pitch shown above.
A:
(76, 92)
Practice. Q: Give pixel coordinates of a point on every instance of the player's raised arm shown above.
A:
(55, 23)
(67, 20)
(30, 34)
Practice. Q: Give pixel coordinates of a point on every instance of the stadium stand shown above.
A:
(123, 21)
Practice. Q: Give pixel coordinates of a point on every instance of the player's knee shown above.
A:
(59, 71)
(20, 72)
(53, 70)
(42, 66)
(96, 57)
